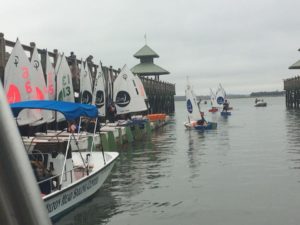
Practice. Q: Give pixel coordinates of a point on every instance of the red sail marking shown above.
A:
(142, 91)
(39, 94)
(13, 94)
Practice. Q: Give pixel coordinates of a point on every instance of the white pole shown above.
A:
(20, 198)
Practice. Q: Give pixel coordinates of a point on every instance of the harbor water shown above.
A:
(247, 171)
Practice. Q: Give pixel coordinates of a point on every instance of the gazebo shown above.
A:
(146, 67)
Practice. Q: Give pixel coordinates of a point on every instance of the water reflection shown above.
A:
(141, 166)
(196, 146)
(97, 210)
(293, 136)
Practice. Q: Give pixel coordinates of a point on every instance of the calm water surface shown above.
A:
(245, 172)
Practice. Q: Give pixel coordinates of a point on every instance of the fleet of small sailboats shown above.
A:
(67, 168)
(73, 171)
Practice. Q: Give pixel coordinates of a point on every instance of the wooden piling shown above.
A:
(2, 57)
(292, 89)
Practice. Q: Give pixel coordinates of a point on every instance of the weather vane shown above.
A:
(145, 36)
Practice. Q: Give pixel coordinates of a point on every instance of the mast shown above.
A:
(20, 199)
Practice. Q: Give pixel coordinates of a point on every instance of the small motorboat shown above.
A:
(65, 176)
(260, 103)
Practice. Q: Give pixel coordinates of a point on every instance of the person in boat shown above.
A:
(42, 176)
(112, 112)
(256, 100)
(202, 121)
(226, 106)
(72, 127)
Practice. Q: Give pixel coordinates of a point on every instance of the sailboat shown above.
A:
(220, 96)
(86, 96)
(222, 101)
(195, 116)
(213, 101)
(126, 93)
(19, 85)
(66, 177)
(51, 83)
(63, 92)
(85, 84)
(99, 97)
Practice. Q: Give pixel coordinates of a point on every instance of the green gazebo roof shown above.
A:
(148, 69)
(296, 65)
(146, 51)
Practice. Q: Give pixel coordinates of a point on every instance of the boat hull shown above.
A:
(193, 125)
(261, 104)
(213, 110)
(60, 201)
(225, 113)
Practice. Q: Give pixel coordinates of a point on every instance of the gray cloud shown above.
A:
(245, 45)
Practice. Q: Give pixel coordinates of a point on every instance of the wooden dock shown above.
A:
(292, 89)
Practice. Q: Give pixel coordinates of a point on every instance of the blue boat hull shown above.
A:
(225, 113)
(209, 126)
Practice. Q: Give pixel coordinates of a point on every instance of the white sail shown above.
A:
(18, 84)
(64, 91)
(41, 89)
(140, 87)
(193, 108)
(220, 96)
(126, 94)
(109, 87)
(213, 99)
(51, 84)
(85, 84)
(99, 92)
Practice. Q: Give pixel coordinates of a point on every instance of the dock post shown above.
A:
(2, 57)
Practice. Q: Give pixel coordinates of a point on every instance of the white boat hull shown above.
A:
(66, 198)
(261, 104)
(80, 142)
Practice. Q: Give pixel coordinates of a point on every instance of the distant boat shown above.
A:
(220, 96)
(213, 102)
(260, 103)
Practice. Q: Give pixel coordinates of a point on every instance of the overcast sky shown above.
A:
(246, 46)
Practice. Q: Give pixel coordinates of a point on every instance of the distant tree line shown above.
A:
(230, 96)
(269, 93)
